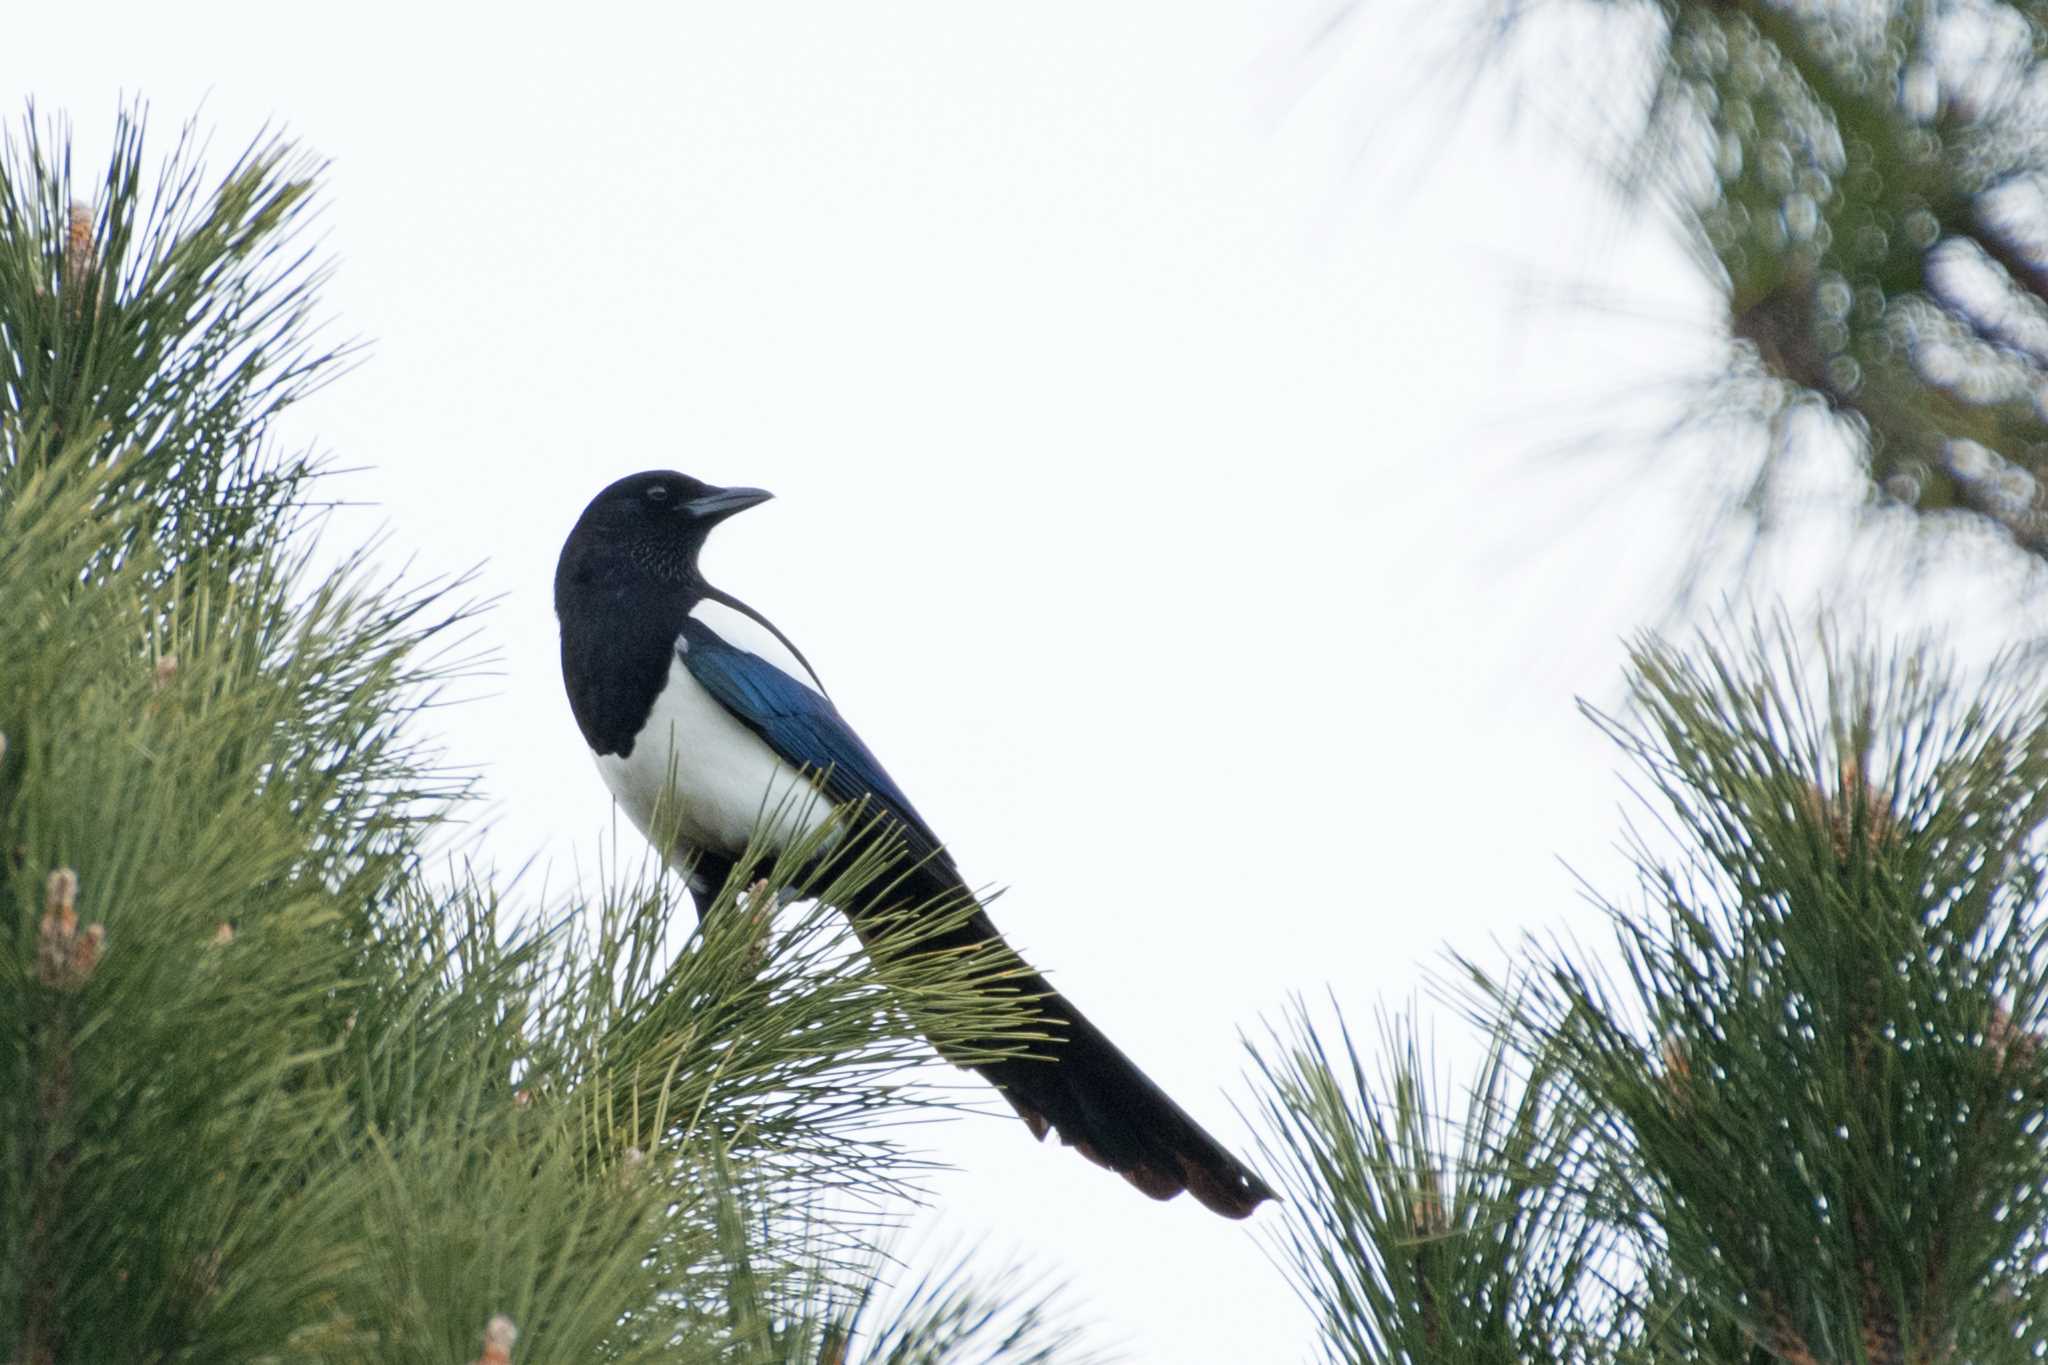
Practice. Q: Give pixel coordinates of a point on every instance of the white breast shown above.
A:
(697, 778)
(701, 780)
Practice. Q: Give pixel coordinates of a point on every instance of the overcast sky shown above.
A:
(1156, 451)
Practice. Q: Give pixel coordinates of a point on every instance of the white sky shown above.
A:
(1154, 450)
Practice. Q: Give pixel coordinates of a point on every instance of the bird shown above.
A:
(694, 702)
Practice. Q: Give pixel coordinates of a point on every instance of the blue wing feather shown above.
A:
(802, 727)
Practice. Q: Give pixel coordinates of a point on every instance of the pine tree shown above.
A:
(274, 1089)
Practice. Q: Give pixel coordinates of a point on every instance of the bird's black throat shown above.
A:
(619, 625)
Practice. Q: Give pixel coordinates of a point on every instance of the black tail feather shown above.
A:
(1080, 1085)
(1085, 1089)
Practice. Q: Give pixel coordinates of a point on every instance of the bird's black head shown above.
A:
(654, 523)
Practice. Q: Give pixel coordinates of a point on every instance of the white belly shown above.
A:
(697, 778)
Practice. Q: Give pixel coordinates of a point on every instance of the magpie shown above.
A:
(692, 700)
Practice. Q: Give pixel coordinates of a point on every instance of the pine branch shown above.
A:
(1821, 1070)
(65, 960)
(1417, 1236)
(704, 1045)
(168, 330)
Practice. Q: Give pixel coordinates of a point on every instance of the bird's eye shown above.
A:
(658, 493)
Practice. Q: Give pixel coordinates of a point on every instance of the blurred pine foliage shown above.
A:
(1865, 183)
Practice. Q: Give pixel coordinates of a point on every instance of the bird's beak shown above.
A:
(718, 505)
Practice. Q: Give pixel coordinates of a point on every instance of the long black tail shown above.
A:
(1080, 1085)
(1109, 1111)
